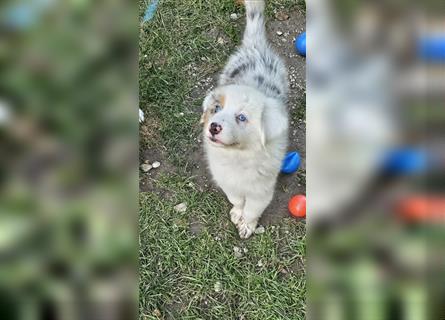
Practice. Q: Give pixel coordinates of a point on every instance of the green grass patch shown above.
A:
(180, 265)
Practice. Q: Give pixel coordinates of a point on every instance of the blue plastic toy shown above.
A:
(431, 48)
(300, 44)
(291, 162)
(405, 161)
(151, 10)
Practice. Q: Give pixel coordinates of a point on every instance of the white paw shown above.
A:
(245, 230)
(235, 215)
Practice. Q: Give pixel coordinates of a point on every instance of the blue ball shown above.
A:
(405, 161)
(431, 48)
(300, 44)
(291, 162)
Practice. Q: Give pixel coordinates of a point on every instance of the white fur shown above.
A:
(246, 159)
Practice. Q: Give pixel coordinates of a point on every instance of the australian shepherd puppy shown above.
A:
(246, 124)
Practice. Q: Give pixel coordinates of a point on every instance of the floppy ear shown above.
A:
(208, 101)
(274, 121)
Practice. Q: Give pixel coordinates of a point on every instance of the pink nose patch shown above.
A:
(215, 128)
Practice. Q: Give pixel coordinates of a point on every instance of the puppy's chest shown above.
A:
(235, 170)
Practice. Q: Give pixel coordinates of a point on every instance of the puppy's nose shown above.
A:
(215, 128)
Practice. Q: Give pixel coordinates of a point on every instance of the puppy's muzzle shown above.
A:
(215, 128)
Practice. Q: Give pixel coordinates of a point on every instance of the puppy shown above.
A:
(246, 124)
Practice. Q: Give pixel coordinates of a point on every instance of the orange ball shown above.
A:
(297, 206)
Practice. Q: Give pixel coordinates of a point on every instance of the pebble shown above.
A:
(245, 250)
(260, 263)
(280, 33)
(217, 286)
(182, 207)
(156, 164)
(282, 16)
(237, 252)
(260, 230)
(146, 167)
(233, 16)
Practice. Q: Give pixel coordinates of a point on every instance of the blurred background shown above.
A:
(375, 159)
(68, 181)
(69, 163)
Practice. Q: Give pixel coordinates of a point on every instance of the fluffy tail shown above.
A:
(255, 33)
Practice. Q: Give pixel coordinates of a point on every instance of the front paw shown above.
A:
(245, 230)
(235, 215)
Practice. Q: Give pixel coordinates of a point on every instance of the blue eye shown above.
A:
(217, 108)
(241, 117)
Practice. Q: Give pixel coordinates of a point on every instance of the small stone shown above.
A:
(237, 252)
(245, 250)
(157, 313)
(182, 207)
(260, 230)
(156, 164)
(284, 271)
(281, 16)
(233, 16)
(218, 286)
(146, 167)
(279, 33)
(221, 40)
(260, 263)
(141, 116)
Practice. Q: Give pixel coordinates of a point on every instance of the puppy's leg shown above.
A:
(238, 205)
(253, 210)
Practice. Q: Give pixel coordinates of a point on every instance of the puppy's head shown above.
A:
(240, 117)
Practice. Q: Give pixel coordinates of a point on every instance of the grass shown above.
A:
(181, 264)
(188, 269)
